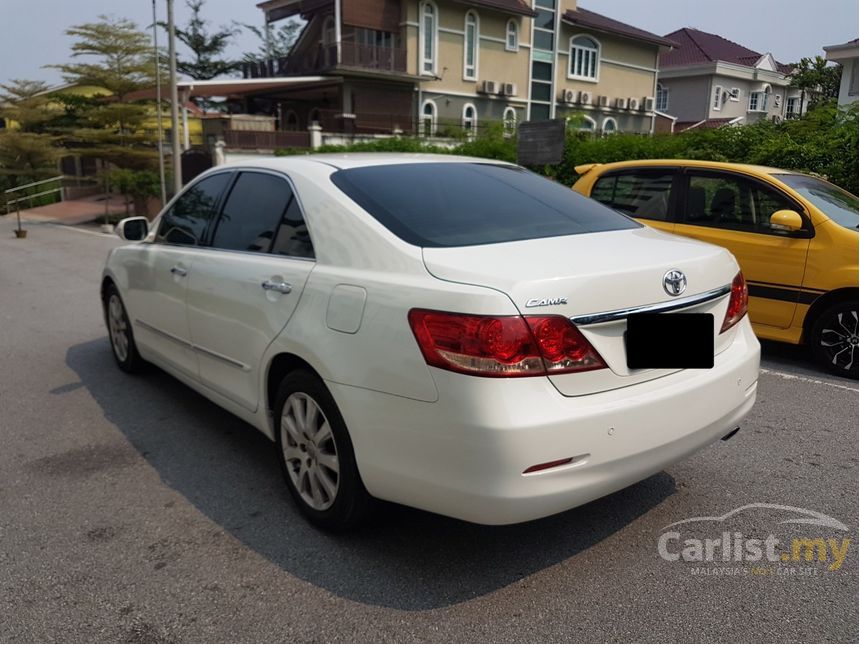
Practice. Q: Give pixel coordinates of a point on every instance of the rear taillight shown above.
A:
(502, 346)
(738, 302)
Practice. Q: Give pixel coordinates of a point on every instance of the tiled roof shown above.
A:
(585, 18)
(696, 47)
(519, 7)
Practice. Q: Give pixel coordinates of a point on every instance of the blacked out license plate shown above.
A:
(670, 341)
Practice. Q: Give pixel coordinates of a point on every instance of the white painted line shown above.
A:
(70, 227)
(805, 379)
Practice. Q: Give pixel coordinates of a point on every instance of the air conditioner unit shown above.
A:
(569, 96)
(776, 119)
(489, 87)
(585, 98)
(603, 101)
(509, 89)
(632, 104)
(647, 103)
(735, 94)
(621, 104)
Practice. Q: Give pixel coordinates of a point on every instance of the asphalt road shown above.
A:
(132, 509)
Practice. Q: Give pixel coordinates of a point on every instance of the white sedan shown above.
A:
(458, 335)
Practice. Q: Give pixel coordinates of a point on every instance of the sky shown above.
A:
(33, 35)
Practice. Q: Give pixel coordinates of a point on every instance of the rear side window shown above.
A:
(187, 220)
(465, 204)
(292, 237)
(644, 194)
(252, 213)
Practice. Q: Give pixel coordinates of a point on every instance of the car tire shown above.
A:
(316, 454)
(834, 339)
(120, 334)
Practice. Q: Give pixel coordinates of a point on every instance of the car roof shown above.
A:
(341, 161)
(689, 163)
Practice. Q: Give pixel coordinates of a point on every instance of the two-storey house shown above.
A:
(709, 81)
(436, 67)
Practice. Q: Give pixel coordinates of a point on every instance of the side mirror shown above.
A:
(786, 220)
(133, 229)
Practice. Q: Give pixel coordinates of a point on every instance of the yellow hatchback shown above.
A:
(794, 236)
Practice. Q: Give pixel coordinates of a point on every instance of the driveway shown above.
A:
(135, 510)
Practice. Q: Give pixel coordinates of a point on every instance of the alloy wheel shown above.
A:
(310, 451)
(118, 328)
(839, 339)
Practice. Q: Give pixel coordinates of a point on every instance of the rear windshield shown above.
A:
(465, 204)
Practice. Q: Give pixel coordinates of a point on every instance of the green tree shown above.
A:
(816, 79)
(25, 103)
(275, 42)
(120, 58)
(207, 49)
(114, 55)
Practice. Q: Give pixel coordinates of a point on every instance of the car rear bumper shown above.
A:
(465, 455)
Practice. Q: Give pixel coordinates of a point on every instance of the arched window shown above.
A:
(662, 97)
(512, 36)
(609, 126)
(509, 121)
(584, 58)
(328, 36)
(470, 120)
(428, 38)
(470, 47)
(428, 119)
(582, 123)
(291, 122)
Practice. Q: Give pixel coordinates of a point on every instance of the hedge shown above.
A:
(822, 142)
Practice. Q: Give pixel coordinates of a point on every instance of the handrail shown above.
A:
(35, 183)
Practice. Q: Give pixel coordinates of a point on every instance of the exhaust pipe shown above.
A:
(731, 434)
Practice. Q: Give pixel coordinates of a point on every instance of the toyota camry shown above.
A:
(457, 335)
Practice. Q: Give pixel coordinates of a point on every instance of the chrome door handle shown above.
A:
(177, 270)
(280, 287)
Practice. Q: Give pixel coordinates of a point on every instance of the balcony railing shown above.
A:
(324, 58)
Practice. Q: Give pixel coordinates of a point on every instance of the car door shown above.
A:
(246, 286)
(158, 281)
(646, 194)
(733, 211)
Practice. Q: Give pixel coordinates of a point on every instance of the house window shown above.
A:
(509, 121)
(428, 119)
(791, 107)
(292, 121)
(581, 123)
(662, 98)
(758, 100)
(328, 36)
(717, 103)
(584, 58)
(512, 36)
(610, 126)
(428, 38)
(470, 120)
(470, 47)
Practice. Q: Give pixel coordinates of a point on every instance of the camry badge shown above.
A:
(674, 282)
(546, 302)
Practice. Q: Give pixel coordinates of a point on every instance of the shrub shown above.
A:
(823, 142)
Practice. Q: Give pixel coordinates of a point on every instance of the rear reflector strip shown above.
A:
(549, 464)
